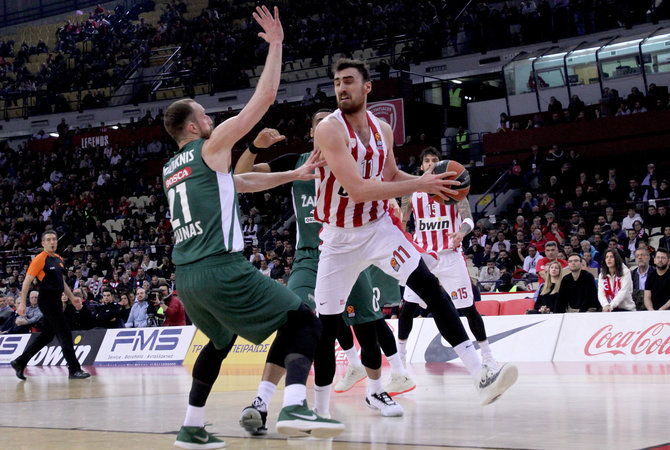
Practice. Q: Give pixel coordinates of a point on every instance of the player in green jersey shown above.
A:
(223, 293)
(363, 311)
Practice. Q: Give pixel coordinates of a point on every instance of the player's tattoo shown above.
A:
(464, 210)
(406, 207)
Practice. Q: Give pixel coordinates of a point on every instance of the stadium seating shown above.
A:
(514, 307)
(488, 307)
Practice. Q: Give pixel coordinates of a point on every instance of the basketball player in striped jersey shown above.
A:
(441, 228)
(363, 311)
(353, 189)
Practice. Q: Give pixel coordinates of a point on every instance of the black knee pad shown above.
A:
(208, 364)
(298, 335)
(324, 359)
(385, 338)
(345, 337)
(371, 355)
(406, 319)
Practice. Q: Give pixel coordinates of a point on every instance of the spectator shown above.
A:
(548, 293)
(615, 285)
(476, 251)
(19, 325)
(173, 308)
(489, 276)
(308, 98)
(664, 242)
(551, 255)
(107, 313)
(639, 276)
(519, 254)
(500, 243)
(138, 313)
(250, 231)
(78, 316)
(530, 262)
(124, 307)
(5, 310)
(538, 240)
(578, 291)
(631, 217)
(265, 270)
(555, 234)
(657, 287)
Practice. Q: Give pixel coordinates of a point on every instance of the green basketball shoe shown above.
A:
(197, 437)
(299, 420)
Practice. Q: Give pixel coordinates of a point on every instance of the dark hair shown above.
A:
(49, 232)
(581, 258)
(618, 263)
(176, 117)
(110, 290)
(430, 151)
(317, 112)
(361, 66)
(663, 250)
(549, 243)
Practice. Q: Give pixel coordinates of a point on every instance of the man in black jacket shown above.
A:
(107, 314)
(639, 276)
(578, 288)
(78, 316)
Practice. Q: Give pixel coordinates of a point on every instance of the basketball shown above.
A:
(462, 175)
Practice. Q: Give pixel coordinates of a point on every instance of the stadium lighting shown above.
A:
(53, 134)
(115, 127)
(456, 81)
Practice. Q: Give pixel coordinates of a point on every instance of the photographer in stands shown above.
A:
(173, 309)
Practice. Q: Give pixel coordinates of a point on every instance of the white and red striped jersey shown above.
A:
(333, 205)
(434, 222)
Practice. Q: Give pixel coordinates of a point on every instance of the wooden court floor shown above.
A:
(552, 406)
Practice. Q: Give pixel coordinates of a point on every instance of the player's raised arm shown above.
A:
(232, 130)
(331, 140)
(265, 139)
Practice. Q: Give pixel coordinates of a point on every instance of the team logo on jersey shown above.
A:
(352, 142)
(378, 138)
(454, 295)
(351, 311)
(395, 264)
(177, 177)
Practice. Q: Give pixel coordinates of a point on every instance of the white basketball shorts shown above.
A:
(452, 271)
(346, 252)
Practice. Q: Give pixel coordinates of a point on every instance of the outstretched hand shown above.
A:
(306, 171)
(268, 137)
(272, 29)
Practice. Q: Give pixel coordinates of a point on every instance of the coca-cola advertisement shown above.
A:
(634, 336)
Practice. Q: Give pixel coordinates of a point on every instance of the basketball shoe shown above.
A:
(299, 420)
(254, 418)
(399, 384)
(197, 437)
(383, 402)
(494, 381)
(350, 378)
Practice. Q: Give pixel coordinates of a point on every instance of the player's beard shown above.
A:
(205, 132)
(352, 107)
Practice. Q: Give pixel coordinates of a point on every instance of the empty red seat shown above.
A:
(519, 306)
(488, 307)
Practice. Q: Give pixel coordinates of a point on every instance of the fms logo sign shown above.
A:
(11, 346)
(145, 346)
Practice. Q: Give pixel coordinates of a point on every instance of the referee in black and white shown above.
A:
(48, 268)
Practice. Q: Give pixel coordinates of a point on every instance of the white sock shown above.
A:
(265, 391)
(352, 357)
(374, 386)
(195, 416)
(402, 347)
(294, 394)
(466, 351)
(322, 398)
(396, 364)
(486, 349)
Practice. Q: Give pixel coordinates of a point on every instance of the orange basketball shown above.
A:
(462, 175)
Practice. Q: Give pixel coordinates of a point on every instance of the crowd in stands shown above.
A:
(220, 42)
(610, 105)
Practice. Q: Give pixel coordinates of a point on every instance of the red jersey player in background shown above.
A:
(441, 228)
